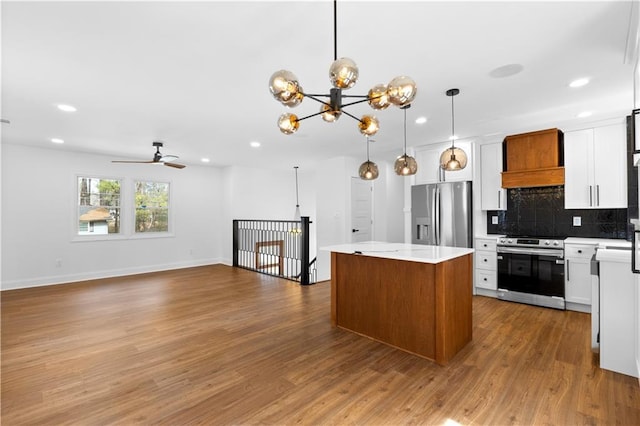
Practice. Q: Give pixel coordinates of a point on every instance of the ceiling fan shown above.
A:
(158, 158)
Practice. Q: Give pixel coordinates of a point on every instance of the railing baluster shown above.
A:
(273, 247)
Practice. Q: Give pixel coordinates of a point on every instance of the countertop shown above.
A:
(401, 251)
(600, 242)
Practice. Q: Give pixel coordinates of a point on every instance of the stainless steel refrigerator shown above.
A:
(441, 214)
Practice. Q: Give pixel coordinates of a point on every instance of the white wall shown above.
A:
(332, 192)
(39, 201)
(333, 206)
(38, 212)
(251, 193)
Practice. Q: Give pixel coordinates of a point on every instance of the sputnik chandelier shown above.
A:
(343, 75)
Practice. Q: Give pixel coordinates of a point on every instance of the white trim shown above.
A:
(633, 36)
(132, 214)
(75, 237)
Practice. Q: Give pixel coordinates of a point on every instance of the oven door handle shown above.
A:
(533, 251)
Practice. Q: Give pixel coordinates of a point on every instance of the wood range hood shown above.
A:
(533, 159)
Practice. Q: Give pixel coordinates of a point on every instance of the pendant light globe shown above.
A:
(328, 114)
(369, 125)
(379, 97)
(368, 170)
(283, 85)
(405, 165)
(402, 90)
(343, 73)
(453, 159)
(288, 123)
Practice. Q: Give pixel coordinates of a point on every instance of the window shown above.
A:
(152, 207)
(98, 206)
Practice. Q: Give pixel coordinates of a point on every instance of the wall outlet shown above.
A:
(494, 220)
(577, 221)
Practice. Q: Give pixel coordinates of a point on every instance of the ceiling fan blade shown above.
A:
(177, 166)
(138, 162)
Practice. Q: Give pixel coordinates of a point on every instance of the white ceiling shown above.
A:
(195, 74)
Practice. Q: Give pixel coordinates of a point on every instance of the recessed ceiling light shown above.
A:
(579, 82)
(584, 114)
(421, 120)
(57, 140)
(205, 160)
(254, 144)
(506, 71)
(67, 108)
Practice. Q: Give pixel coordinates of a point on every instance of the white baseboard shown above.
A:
(94, 275)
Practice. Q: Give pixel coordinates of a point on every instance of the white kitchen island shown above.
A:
(413, 297)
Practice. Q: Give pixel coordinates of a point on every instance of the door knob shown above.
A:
(355, 230)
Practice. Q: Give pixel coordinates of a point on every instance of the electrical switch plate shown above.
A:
(494, 220)
(577, 221)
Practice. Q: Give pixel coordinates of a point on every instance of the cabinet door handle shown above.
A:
(579, 251)
(566, 262)
(499, 198)
(597, 195)
(484, 245)
(485, 279)
(590, 196)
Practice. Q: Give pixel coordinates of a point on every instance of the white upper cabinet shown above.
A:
(429, 170)
(493, 195)
(596, 168)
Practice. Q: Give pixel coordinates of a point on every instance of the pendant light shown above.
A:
(297, 215)
(343, 74)
(405, 165)
(368, 170)
(453, 159)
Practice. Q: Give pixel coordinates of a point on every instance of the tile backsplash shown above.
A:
(540, 212)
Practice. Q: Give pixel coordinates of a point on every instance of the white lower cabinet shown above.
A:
(577, 276)
(486, 266)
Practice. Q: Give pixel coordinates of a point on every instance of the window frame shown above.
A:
(76, 237)
(170, 213)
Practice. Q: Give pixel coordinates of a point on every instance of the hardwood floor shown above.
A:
(218, 345)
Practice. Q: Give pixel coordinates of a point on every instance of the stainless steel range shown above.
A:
(531, 270)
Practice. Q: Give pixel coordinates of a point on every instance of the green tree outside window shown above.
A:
(152, 206)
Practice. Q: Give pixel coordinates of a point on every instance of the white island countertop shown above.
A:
(401, 251)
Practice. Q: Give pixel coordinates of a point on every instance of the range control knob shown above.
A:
(546, 243)
(502, 240)
(509, 241)
(556, 243)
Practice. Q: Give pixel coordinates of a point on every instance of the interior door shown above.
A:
(361, 210)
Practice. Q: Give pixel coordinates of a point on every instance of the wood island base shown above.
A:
(421, 308)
